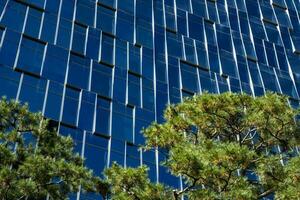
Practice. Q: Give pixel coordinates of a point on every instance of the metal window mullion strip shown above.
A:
(19, 87)
(41, 25)
(141, 78)
(134, 22)
(79, 107)
(73, 25)
(57, 22)
(127, 77)
(46, 97)
(217, 83)
(180, 79)
(125, 154)
(133, 124)
(167, 64)
(277, 80)
(261, 78)
(250, 79)
(4, 9)
(95, 114)
(43, 59)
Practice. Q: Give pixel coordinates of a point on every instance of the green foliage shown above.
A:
(132, 184)
(214, 142)
(35, 161)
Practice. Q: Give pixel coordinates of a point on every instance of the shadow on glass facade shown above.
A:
(104, 69)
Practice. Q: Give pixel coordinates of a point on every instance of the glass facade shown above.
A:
(104, 69)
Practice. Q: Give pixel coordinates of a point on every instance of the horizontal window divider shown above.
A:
(269, 21)
(98, 134)
(34, 39)
(171, 30)
(251, 58)
(134, 73)
(80, 24)
(279, 6)
(30, 5)
(130, 144)
(108, 34)
(188, 91)
(104, 97)
(27, 72)
(69, 125)
(73, 87)
(77, 54)
(106, 6)
(129, 105)
(189, 63)
(106, 64)
(209, 21)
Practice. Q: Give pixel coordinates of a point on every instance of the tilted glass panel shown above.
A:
(101, 81)
(79, 71)
(70, 108)
(31, 56)
(79, 39)
(33, 92)
(85, 12)
(105, 19)
(87, 110)
(102, 123)
(33, 22)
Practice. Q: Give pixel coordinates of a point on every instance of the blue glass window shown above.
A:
(126, 5)
(125, 26)
(33, 22)
(170, 18)
(67, 9)
(224, 38)
(31, 56)
(54, 99)
(49, 27)
(121, 54)
(272, 61)
(95, 145)
(106, 19)
(122, 122)
(55, 63)
(101, 82)
(134, 90)
(199, 8)
(269, 79)
(70, 109)
(85, 12)
(79, 71)
(33, 92)
(9, 81)
(14, 16)
(64, 33)
(207, 81)
(102, 123)
(9, 47)
(93, 43)
(196, 27)
(79, 38)
(107, 49)
(189, 50)
(228, 64)
(87, 109)
(134, 59)
(189, 77)
(174, 44)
